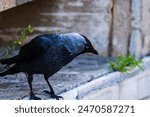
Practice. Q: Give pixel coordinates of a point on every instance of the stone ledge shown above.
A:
(91, 80)
(83, 69)
(116, 85)
(7, 4)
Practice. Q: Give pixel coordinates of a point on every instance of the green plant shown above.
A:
(27, 30)
(125, 63)
(49, 31)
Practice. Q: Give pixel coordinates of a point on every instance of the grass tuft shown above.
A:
(125, 63)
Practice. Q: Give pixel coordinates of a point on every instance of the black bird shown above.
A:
(46, 54)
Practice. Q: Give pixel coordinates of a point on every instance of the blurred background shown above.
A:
(115, 27)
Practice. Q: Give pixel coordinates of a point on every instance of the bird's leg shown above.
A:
(51, 92)
(32, 96)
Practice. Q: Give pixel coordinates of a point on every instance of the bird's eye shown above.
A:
(87, 46)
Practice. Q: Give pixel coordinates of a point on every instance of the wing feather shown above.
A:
(34, 49)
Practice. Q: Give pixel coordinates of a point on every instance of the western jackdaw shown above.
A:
(46, 54)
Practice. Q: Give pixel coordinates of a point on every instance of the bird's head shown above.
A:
(77, 44)
(89, 47)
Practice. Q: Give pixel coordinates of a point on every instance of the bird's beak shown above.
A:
(94, 51)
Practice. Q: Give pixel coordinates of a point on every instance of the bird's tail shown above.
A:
(12, 70)
(9, 61)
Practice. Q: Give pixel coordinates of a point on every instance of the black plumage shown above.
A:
(47, 54)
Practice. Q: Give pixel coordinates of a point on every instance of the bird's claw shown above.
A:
(53, 95)
(33, 97)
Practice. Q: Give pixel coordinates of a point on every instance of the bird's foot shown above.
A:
(53, 95)
(56, 97)
(33, 97)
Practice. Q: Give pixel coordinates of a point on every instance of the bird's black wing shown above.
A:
(34, 49)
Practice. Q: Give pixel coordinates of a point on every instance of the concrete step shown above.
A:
(116, 86)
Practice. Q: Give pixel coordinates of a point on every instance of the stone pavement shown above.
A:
(80, 71)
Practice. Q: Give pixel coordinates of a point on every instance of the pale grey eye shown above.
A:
(87, 46)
